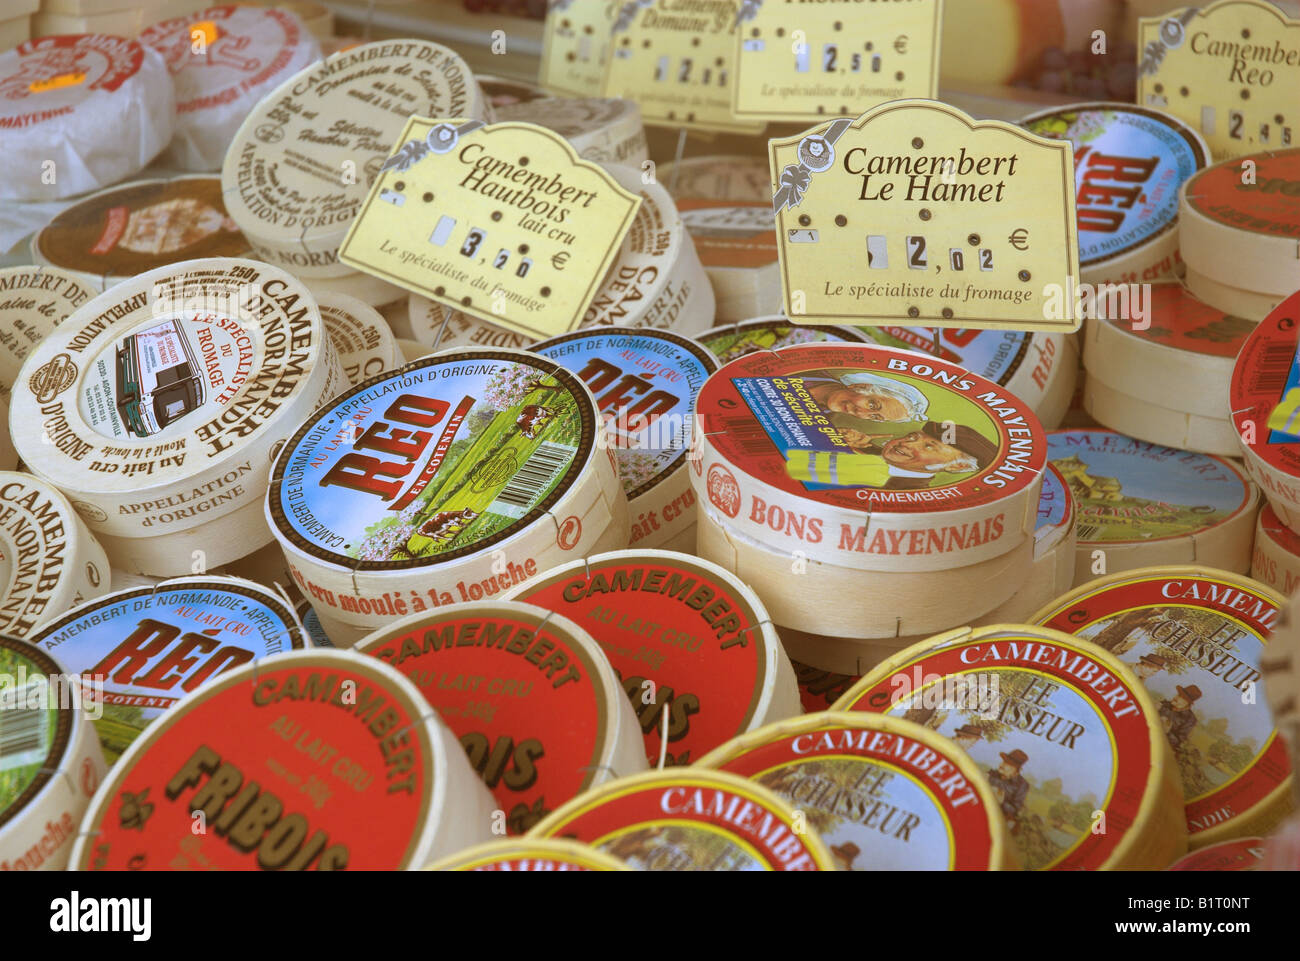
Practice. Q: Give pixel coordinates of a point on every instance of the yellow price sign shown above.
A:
(504, 222)
(915, 212)
(575, 46)
(1231, 70)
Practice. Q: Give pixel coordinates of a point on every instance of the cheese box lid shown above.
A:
(721, 177)
(884, 794)
(1127, 491)
(1063, 732)
(1239, 854)
(33, 301)
(130, 228)
(689, 641)
(160, 400)
(60, 96)
(997, 355)
(1180, 321)
(223, 60)
(535, 704)
(645, 383)
(1240, 222)
(153, 645)
(310, 760)
(1287, 540)
(530, 854)
(736, 234)
(1264, 401)
(50, 765)
(691, 819)
(303, 161)
(834, 432)
(1196, 637)
(447, 457)
(506, 91)
(819, 689)
(1129, 163)
(729, 341)
(49, 561)
(360, 335)
(1056, 512)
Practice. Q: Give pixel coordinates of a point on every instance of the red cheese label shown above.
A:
(1240, 854)
(819, 689)
(1180, 321)
(1063, 742)
(1265, 394)
(882, 801)
(1196, 642)
(731, 233)
(689, 822)
(1269, 205)
(682, 641)
(524, 698)
(312, 764)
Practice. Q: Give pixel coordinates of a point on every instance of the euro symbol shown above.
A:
(900, 44)
(559, 260)
(1019, 239)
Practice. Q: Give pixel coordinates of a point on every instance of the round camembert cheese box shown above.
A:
(530, 854)
(691, 819)
(1066, 737)
(692, 646)
(883, 793)
(729, 341)
(1275, 559)
(361, 337)
(33, 301)
(1239, 854)
(1197, 638)
(1142, 504)
(310, 760)
(534, 702)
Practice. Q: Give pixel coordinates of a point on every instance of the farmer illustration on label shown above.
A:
(967, 736)
(1009, 786)
(1149, 666)
(865, 395)
(1176, 714)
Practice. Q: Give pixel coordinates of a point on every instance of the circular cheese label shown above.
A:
(321, 760)
(993, 354)
(1196, 640)
(47, 78)
(1130, 491)
(1240, 854)
(731, 341)
(1180, 321)
(303, 161)
(1060, 738)
(1055, 511)
(860, 429)
(884, 795)
(360, 335)
(444, 458)
(645, 384)
(151, 646)
(690, 820)
(529, 695)
(819, 689)
(157, 404)
(531, 854)
(1265, 394)
(128, 229)
(1276, 558)
(1129, 164)
(1268, 206)
(731, 233)
(37, 731)
(720, 178)
(687, 640)
(33, 301)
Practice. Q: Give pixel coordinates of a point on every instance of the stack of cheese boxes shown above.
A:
(186, 358)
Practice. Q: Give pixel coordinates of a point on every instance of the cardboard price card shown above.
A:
(575, 46)
(1231, 70)
(915, 212)
(503, 222)
(677, 61)
(801, 62)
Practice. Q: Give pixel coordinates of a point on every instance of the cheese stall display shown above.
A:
(671, 435)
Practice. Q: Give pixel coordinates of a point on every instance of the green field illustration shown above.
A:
(26, 732)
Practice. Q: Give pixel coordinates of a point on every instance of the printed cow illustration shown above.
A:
(532, 419)
(445, 525)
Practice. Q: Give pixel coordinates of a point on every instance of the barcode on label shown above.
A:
(24, 734)
(749, 434)
(532, 478)
(1272, 368)
(1087, 532)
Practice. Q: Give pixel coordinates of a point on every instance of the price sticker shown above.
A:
(802, 62)
(503, 222)
(678, 62)
(575, 46)
(1231, 70)
(916, 212)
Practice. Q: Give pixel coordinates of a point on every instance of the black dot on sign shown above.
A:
(1023, 275)
(545, 291)
(496, 215)
(947, 313)
(439, 291)
(780, 31)
(1245, 94)
(672, 114)
(804, 220)
(973, 240)
(755, 32)
(466, 301)
(428, 197)
(899, 75)
(1184, 91)
(570, 56)
(1278, 118)
(690, 117)
(587, 29)
(523, 161)
(718, 62)
(838, 26)
(841, 220)
(913, 311)
(924, 215)
(523, 248)
(400, 185)
(565, 24)
(821, 109)
(645, 44)
(1245, 35)
(627, 42)
(867, 46)
(843, 109)
(1160, 88)
(917, 143)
